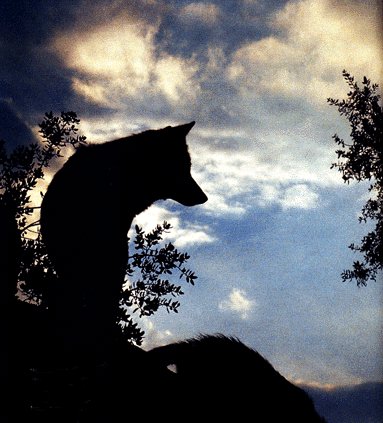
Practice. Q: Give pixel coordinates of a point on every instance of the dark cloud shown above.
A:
(236, 23)
(25, 23)
(12, 129)
(32, 88)
(354, 404)
(32, 78)
(32, 75)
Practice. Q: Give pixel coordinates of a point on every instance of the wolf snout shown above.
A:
(190, 194)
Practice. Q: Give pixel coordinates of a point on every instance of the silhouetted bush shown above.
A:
(362, 160)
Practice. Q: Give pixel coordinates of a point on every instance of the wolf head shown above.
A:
(179, 184)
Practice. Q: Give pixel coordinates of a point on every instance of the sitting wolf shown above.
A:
(87, 212)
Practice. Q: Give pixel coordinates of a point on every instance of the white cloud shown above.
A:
(153, 336)
(238, 302)
(109, 60)
(175, 77)
(299, 196)
(193, 234)
(118, 60)
(220, 204)
(182, 233)
(235, 181)
(316, 40)
(207, 13)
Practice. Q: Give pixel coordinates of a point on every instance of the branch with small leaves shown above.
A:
(362, 160)
(148, 288)
(20, 172)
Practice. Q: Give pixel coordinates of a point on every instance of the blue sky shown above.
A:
(271, 242)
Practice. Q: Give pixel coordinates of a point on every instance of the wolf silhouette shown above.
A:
(86, 214)
(229, 380)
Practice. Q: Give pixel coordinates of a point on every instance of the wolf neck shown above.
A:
(141, 193)
(135, 206)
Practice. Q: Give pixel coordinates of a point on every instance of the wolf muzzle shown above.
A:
(189, 193)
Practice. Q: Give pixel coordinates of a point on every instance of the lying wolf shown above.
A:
(224, 380)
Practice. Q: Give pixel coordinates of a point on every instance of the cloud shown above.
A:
(154, 337)
(314, 40)
(174, 77)
(238, 180)
(15, 131)
(116, 57)
(116, 61)
(299, 196)
(238, 302)
(207, 13)
(182, 234)
(339, 404)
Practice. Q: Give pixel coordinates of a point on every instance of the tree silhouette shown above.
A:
(20, 172)
(147, 285)
(360, 161)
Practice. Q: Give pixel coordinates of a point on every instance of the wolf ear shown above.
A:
(184, 129)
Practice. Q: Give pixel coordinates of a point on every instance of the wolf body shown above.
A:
(87, 212)
(226, 380)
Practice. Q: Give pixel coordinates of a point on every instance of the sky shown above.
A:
(271, 242)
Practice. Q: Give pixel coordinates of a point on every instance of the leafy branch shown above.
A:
(363, 160)
(148, 287)
(20, 172)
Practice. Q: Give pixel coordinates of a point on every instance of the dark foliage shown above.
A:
(20, 172)
(362, 160)
(148, 287)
